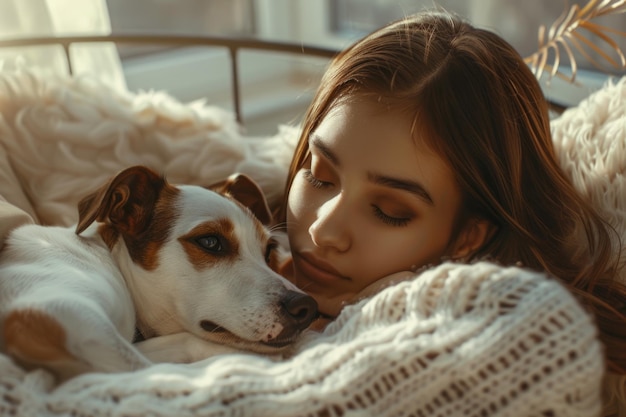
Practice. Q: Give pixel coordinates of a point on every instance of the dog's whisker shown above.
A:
(304, 287)
(278, 227)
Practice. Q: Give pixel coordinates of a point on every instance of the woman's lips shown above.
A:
(317, 270)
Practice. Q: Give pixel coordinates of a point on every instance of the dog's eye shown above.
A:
(212, 243)
(271, 245)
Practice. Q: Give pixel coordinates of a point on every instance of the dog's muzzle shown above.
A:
(299, 310)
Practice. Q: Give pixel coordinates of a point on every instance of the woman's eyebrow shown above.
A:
(412, 187)
(401, 184)
(316, 142)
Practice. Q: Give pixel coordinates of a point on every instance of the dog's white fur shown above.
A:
(184, 265)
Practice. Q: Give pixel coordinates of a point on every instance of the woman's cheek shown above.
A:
(301, 206)
(297, 198)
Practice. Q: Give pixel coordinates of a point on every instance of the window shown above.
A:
(275, 88)
(180, 17)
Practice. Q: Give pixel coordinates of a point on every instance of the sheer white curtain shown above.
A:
(34, 18)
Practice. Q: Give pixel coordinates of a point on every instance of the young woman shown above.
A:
(429, 140)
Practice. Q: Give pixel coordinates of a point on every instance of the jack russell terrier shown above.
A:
(191, 269)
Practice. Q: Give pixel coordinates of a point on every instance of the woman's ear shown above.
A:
(474, 235)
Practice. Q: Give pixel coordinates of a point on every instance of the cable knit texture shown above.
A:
(458, 340)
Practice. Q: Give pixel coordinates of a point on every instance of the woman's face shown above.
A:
(370, 201)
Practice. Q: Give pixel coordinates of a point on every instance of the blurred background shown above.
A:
(275, 88)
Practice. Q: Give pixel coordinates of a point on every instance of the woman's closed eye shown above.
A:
(318, 172)
(390, 220)
(314, 181)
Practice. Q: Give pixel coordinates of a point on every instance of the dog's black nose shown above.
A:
(300, 307)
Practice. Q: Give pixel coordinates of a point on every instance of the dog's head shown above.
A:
(198, 260)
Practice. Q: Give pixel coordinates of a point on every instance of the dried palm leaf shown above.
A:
(565, 36)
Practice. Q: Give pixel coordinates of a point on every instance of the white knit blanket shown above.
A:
(470, 340)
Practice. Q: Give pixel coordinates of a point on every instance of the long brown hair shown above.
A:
(477, 104)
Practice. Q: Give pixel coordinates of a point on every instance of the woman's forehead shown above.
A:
(373, 122)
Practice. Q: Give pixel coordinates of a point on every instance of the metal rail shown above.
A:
(232, 44)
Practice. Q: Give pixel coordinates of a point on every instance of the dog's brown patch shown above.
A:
(144, 249)
(34, 337)
(202, 258)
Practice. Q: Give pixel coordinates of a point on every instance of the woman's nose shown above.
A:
(331, 227)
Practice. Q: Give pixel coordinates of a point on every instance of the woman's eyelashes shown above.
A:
(314, 181)
(317, 173)
(390, 220)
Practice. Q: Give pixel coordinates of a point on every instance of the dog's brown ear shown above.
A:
(126, 201)
(245, 190)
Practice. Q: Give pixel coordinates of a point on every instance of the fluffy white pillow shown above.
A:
(590, 141)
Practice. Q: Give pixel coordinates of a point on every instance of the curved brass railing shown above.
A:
(233, 45)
